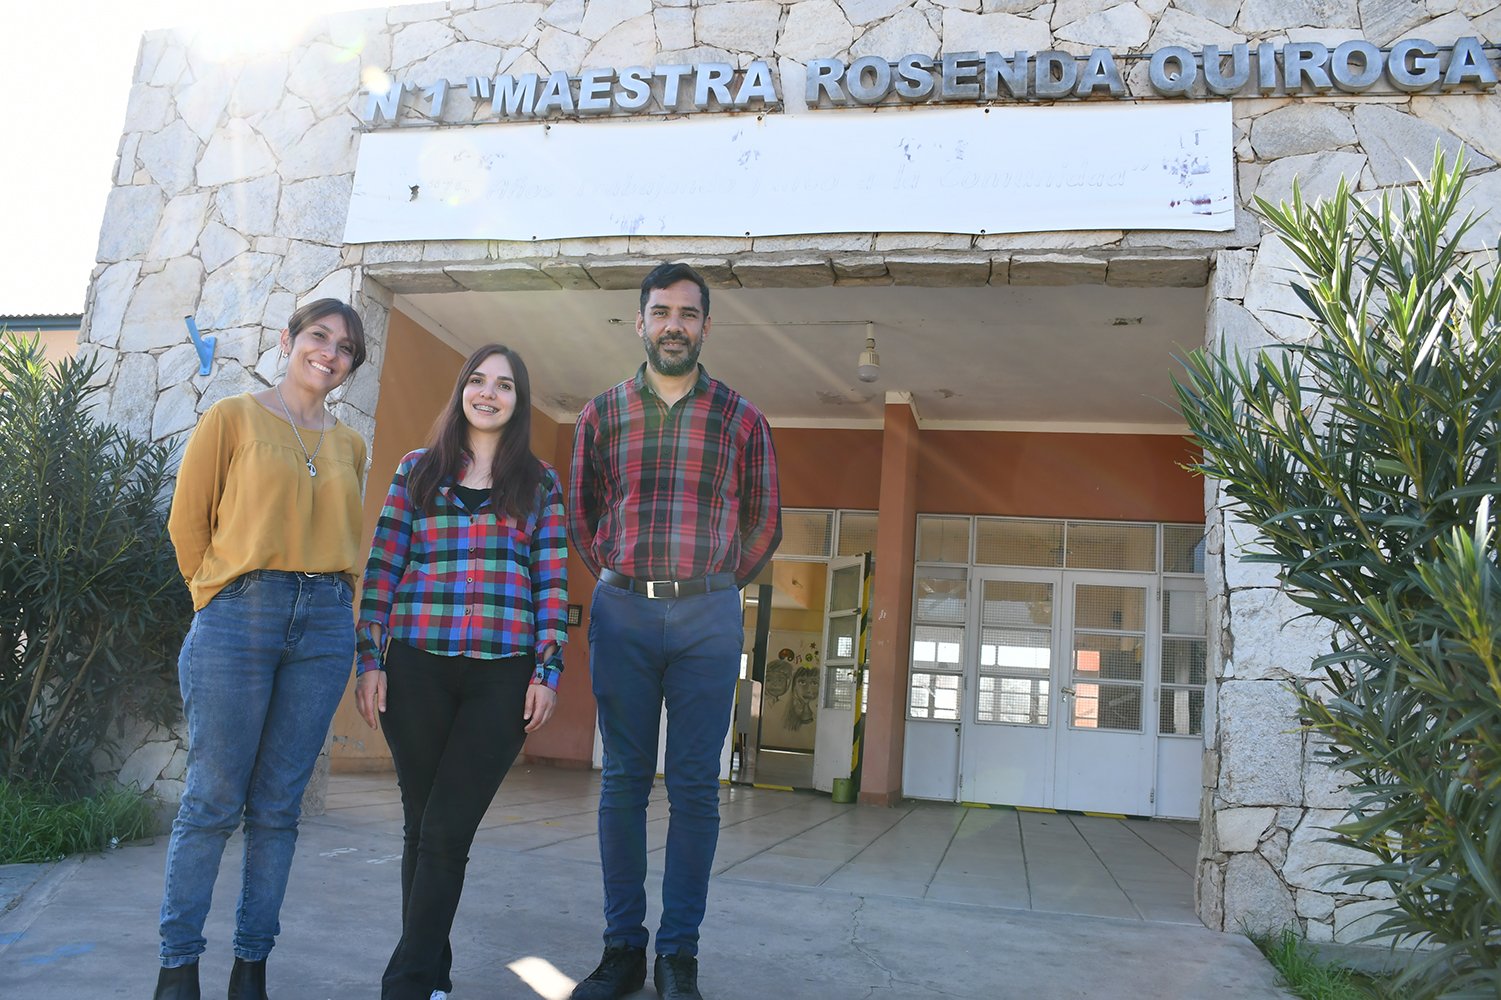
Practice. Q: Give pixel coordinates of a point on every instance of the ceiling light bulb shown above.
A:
(869, 367)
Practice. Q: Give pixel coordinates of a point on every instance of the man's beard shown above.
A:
(682, 366)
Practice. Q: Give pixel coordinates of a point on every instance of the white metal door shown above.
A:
(1007, 743)
(1106, 732)
(935, 681)
(833, 741)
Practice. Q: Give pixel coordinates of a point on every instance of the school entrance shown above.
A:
(1057, 664)
(989, 587)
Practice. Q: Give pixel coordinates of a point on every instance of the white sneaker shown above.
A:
(438, 995)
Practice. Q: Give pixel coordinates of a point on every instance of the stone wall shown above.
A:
(233, 182)
(153, 759)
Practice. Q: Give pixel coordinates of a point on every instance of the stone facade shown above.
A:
(233, 181)
(153, 759)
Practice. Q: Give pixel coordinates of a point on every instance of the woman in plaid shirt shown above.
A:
(460, 634)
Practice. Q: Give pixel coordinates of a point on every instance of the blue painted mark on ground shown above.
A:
(65, 951)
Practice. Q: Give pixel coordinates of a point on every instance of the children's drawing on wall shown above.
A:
(789, 695)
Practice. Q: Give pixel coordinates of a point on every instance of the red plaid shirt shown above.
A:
(462, 583)
(661, 493)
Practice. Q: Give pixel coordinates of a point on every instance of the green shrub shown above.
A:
(92, 606)
(36, 826)
(1366, 459)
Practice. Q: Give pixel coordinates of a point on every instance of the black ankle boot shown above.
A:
(180, 983)
(247, 980)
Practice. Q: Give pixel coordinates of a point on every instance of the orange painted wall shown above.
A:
(829, 468)
(56, 344)
(1119, 477)
(568, 740)
(1116, 477)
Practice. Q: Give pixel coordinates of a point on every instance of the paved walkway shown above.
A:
(809, 900)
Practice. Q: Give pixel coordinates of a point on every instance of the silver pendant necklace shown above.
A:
(312, 470)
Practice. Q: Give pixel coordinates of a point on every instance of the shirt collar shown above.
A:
(643, 387)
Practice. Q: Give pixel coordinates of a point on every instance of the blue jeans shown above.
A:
(262, 670)
(644, 651)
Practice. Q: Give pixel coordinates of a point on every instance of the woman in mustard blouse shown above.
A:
(266, 520)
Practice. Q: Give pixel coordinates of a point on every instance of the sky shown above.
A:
(65, 75)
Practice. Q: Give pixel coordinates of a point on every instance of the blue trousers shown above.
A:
(643, 652)
(261, 671)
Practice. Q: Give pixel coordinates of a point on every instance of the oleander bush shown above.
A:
(1367, 460)
(91, 603)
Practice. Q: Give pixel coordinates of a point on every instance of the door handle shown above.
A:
(1068, 692)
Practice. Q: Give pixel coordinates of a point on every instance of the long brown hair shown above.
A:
(515, 475)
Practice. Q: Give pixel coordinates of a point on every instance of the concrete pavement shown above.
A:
(530, 920)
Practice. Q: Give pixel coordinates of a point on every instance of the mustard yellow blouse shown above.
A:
(244, 500)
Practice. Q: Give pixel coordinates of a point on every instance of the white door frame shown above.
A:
(833, 740)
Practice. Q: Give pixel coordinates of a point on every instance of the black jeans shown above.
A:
(454, 726)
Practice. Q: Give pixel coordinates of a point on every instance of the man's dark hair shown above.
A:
(666, 275)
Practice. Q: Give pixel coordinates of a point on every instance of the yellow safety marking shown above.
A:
(862, 657)
(1105, 815)
(975, 805)
(772, 788)
(1036, 809)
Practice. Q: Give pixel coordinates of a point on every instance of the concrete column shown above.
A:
(891, 606)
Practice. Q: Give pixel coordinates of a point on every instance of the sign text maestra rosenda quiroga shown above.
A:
(1412, 65)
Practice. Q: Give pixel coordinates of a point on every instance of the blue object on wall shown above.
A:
(204, 346)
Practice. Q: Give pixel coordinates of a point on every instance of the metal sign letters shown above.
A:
(1412, 65)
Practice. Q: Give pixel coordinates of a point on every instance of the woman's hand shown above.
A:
(540, 701)
(370, 695)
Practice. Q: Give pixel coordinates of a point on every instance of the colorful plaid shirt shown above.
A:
(462, 583)
(674, 493)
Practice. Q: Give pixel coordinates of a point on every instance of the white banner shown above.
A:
(961, 170)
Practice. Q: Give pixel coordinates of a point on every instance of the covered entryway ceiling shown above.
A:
(1075, 357)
